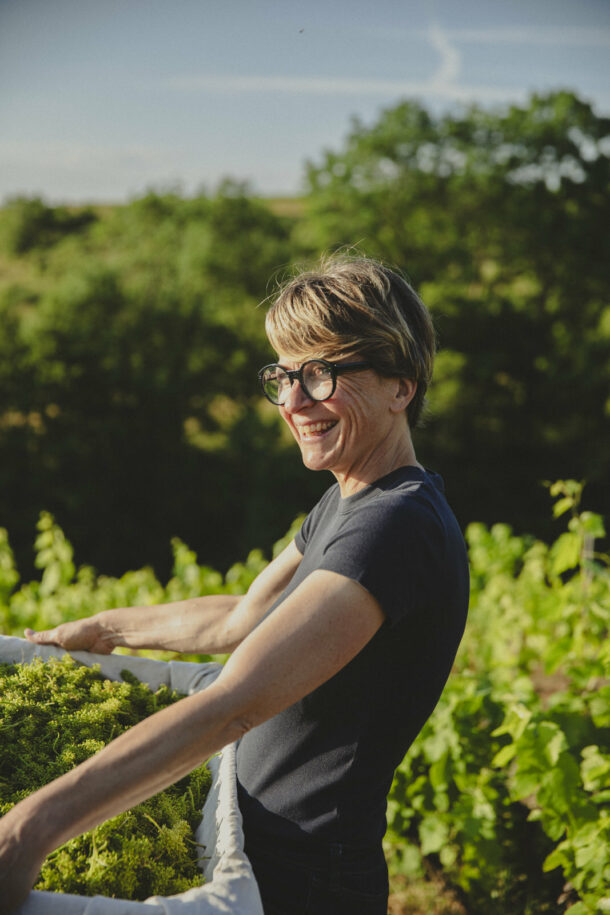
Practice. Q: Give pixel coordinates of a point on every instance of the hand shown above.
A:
(88, 634)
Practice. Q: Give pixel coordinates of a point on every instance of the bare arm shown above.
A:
(212, 624)
(318, 629)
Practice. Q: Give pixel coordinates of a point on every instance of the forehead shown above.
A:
(296, 360)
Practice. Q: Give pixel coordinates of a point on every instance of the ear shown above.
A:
(403, 394)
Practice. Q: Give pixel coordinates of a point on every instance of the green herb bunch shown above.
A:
(54, 715)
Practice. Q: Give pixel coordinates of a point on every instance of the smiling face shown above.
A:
(359, 434)
(356, 306)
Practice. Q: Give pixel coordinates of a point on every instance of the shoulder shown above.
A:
(410, 500)
(402, 542)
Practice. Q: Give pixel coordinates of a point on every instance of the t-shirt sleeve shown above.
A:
(302, 535)
(395, 550)
(314, 518)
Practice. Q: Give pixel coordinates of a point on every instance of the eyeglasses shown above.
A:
(318, 379)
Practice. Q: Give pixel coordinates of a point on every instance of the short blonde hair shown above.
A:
(357, 307)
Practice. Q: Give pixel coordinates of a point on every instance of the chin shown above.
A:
(314, 463)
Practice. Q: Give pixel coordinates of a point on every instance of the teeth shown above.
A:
(316, 427)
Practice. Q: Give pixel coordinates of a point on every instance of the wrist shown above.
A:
(23, 823)
(49, 816)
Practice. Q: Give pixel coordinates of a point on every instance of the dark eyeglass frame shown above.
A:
(335, 368)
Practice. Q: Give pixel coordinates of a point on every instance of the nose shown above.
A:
(297, 398)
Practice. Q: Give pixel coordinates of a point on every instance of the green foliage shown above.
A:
(498, 216)
(65, 593)
(53, 716)
(130, 336)
(507, 787)
(31, 224)
(128, 360)
(9, 576)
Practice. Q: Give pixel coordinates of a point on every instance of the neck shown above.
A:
(398, 454)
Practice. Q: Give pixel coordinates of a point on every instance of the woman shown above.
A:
(341, 646)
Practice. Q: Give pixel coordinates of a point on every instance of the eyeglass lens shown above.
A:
(316, 379)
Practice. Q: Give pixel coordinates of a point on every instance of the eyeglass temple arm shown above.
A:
(351, 367)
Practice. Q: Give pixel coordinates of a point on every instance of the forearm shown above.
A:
(214, 624)
(200, 624)
(203, 625)
(142, 761)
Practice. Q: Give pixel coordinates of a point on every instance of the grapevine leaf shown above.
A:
(433, 834)
(562, 506)
(565, 553)
(504, 756)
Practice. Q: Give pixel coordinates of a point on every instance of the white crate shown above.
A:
(231, 886)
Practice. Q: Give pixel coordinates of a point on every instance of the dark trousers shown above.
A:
(332, 880)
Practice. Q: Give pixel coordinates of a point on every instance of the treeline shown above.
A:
(130, 336)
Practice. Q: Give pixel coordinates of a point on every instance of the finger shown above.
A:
(45, 637)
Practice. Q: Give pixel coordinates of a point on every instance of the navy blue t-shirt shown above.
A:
(321, 769)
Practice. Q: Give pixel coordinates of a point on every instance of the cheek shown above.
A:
(357, 414)
(363, 402)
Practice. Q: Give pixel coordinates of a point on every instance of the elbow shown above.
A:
(241, 725)
(235, 727)
(234, 714)
(248, 714)
(243, 702)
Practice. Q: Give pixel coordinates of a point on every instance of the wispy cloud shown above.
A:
(66, 155)
(575, 37)
(442, 84)
(317, 85)
(530, 35)
(450, 62)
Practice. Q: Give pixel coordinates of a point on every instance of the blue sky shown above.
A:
(103, 99)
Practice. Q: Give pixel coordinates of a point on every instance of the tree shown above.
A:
(131, 409)
(499, 218)
(30, 223)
